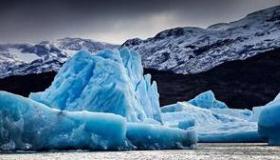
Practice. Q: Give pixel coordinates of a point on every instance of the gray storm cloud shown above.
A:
(113, 20)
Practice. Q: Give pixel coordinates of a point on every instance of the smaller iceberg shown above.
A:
(269, 121)
(213, 120)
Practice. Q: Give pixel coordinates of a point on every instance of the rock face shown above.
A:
(107, 82)
(192, 50)
(23, 59)
(240, 84)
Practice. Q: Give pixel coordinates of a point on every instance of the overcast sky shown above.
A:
(113, 20)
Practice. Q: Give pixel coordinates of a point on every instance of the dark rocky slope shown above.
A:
(241, 84)
(24, 84)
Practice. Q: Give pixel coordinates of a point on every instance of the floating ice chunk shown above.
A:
(188, 112)
(269, 122)
(29, 125)
(213, 125)
(207, 100)
(146, 136)
(107, 82)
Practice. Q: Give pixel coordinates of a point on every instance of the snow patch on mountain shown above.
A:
(192, 50)
(22, 59)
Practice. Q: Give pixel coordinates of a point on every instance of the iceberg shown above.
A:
(107, 82)
(213, 125)
(96, 102)
(269, 122)
(207, 100)
(29, 125)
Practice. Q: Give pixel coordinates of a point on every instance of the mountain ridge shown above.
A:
(184, 50)
(191, 50)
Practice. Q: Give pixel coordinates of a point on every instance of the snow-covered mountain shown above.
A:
(193, 50)
(22, 59)
(181, 50)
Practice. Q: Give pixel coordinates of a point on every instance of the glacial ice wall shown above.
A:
(110, 81)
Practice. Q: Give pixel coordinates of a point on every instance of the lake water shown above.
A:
(203, 151)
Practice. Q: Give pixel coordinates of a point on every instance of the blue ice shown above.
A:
(213, 124)
(269, 122)
(29, 125)
(110, 81)
(207, 100)
(147, 136)
(96, 102)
